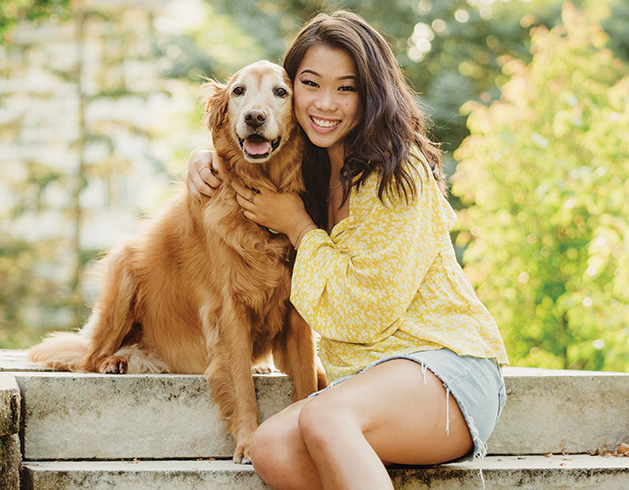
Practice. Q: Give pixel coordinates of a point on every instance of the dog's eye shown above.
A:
(281, 92)
(238, 90)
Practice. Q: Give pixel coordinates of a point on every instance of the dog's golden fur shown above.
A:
(204, 290)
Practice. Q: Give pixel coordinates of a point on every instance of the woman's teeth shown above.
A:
(325, 123)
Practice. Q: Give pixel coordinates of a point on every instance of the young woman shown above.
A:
(417, 355)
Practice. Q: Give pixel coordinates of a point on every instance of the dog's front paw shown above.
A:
(113, 365)
(261, 370)
(241, 456)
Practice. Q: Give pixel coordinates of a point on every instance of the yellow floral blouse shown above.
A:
(386, 281)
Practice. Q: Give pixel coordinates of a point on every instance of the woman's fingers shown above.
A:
(210, 178)
(202, 178)
(245, 193)
(193, 187)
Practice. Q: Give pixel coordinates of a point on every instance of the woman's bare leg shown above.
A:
(279, 455)
(340, 438)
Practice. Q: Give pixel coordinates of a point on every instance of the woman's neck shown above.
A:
(337, 158)
(337, 209)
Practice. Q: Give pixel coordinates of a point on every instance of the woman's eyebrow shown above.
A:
(312, 72)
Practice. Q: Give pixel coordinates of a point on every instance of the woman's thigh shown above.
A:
(403, 411)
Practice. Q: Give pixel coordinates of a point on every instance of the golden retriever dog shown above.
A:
(203, 290)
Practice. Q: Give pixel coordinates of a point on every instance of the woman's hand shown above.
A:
(281, 212)
(202, 178)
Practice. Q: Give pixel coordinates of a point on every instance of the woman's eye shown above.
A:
(310, 83)
(281, 92)
(238, 90)
(347, 88)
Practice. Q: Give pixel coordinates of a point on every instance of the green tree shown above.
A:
(79, 100)
(544, 175)
(12, 12)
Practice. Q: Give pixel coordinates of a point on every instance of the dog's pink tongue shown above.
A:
(256, 146)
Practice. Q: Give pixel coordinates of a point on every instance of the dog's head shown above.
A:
(254, 110)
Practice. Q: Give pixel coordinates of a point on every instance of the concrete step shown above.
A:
(551, 411)
(572, 472)
(161, 431)
(92, 416)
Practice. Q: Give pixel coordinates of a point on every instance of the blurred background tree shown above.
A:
(14, 12)
(452, 52)
(544, 177)
(81, 157)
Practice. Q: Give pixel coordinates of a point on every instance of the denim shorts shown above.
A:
(475, 383)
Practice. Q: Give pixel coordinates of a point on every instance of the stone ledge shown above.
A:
(10, 399)
(10, 410)
(549, 411)
(575, 472)
(94, 416)
(14, 360)
(554, 411)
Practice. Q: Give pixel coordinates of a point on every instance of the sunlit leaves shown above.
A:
(544, 175)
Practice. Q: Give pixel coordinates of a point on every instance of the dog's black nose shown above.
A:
(255, 118)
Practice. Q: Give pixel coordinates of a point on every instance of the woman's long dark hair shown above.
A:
(392, 125)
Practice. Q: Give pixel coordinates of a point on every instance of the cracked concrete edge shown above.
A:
(10, 456)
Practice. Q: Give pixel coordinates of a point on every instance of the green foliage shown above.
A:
(45, 247)
(544, 175)
(16, 263)
(12, 12)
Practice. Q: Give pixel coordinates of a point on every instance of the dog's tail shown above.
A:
(64, 351)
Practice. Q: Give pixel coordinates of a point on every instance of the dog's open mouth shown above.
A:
(258, 147)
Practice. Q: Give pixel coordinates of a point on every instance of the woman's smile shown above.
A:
(324, 125)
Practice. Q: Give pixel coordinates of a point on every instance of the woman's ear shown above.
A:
(216, 99)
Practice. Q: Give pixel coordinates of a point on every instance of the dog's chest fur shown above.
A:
(260, 261)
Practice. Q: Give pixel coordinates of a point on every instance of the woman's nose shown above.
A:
(325, 101)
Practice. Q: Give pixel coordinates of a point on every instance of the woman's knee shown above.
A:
(320, 422)
(264, 444)
(277, 454)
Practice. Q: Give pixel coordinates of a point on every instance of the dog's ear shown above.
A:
(216, 99)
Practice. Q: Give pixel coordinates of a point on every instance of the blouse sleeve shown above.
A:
(356, 286)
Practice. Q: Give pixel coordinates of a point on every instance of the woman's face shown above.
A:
(326, 100)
